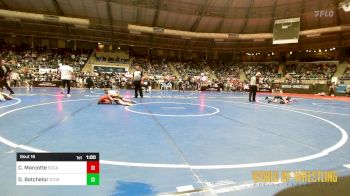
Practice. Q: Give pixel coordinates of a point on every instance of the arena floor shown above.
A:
(208, 140)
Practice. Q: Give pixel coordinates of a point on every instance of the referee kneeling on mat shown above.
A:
(253, 86)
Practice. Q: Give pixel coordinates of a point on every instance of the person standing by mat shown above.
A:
(89, 82)
(332, 88)
(4, 74)
(137, 78)
(66, 76)
(253, 86)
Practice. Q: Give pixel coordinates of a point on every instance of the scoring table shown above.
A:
(58, 169)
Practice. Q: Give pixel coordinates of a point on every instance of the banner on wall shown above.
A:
(46, 70)
(295, 86)
(264, 89)
(46, 83)
(108, 69)
(341, 88)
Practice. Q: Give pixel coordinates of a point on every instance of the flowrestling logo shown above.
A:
(324, 13)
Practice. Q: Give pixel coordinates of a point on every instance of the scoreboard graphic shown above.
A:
(58, 169)
(286, 31)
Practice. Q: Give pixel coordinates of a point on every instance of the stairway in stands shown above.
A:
(173, 69)
(341, 69)
(242, 76)
(88, 65)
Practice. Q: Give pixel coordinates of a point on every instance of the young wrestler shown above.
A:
(111, 97)
(28, 81)
(280, 100)
(4, 97)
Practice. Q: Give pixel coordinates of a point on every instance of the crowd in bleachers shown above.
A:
(268, 71)
(104, 80)
(311, 71)
(193, 74)
(190, 68)
(51, 58)
(19, 55)
(227, 72)
(153, 66)
(41, 64)
(42, 57)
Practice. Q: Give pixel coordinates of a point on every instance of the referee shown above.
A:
(137, 78)
(66, 77)
(254, 81)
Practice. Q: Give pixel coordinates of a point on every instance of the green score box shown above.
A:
(93, 179)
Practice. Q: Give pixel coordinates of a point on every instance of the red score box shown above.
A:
(93, 167)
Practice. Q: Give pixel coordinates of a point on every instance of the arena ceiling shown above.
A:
(109, 19)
